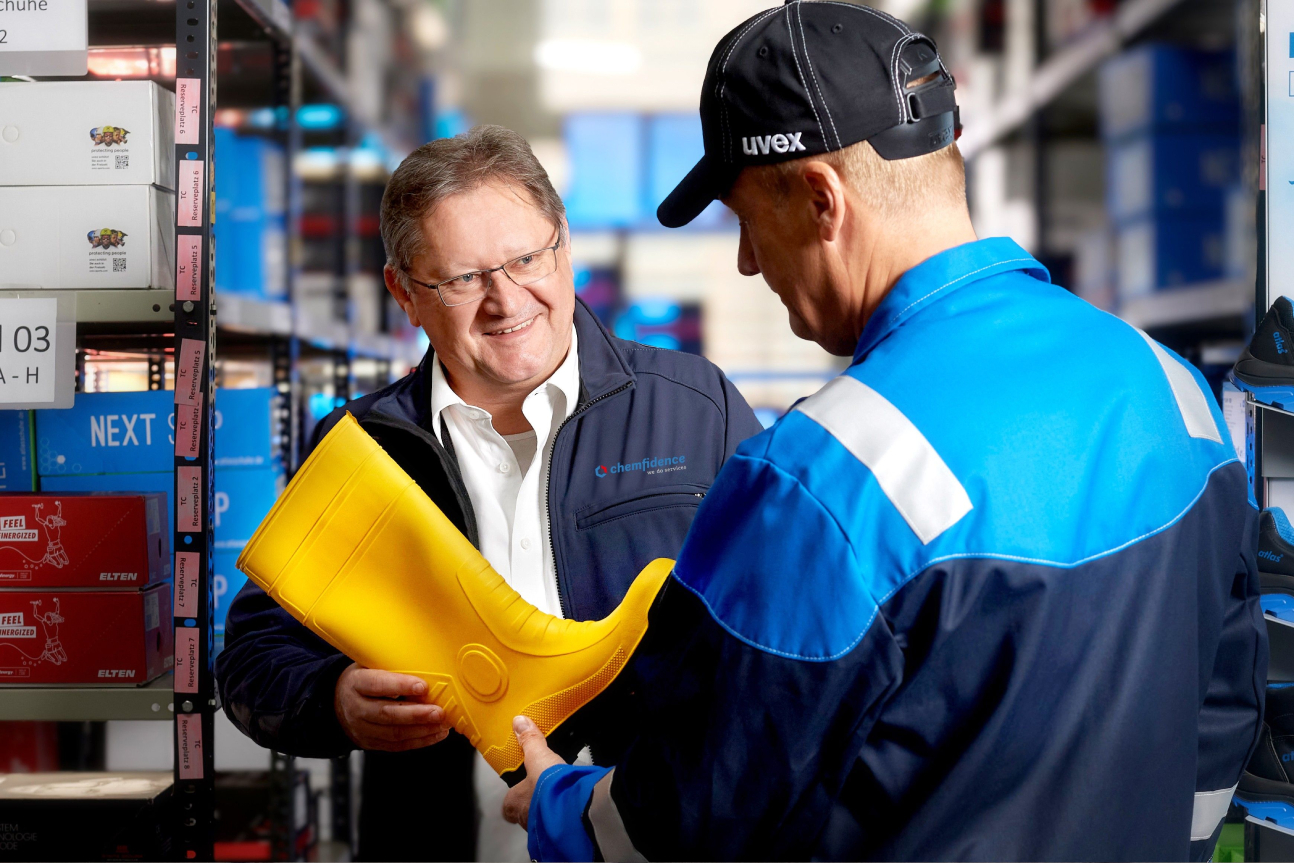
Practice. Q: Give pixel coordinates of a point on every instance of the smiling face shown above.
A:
(515, 337)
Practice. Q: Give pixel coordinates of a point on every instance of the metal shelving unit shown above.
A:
(88, 704)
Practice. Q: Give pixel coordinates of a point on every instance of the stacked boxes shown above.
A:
(85, 593)
(251, 215)
(17, 471)
(87, 185)
(113, 442)
(1170, 120)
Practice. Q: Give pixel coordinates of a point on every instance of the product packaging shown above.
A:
(87, 637)
(17, 468)
(1167, 87)
(87, 133)
(83, 540)
(1171, 174)
(1155, 254)
(85, 816)
(78, 237)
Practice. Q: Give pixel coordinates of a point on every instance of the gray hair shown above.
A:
(449, 166)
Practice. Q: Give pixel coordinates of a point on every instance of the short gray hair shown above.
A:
(449, 166)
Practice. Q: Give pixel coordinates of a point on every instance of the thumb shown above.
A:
(533, 746)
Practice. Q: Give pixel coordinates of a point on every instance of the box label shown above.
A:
(186, 658)
(188, 268)
(27, 347)
(188, 728)
(188, 429)
(186, 584)
(188, 110)
(188, 499)
(188, 371)
(190, 190)
(43, 37)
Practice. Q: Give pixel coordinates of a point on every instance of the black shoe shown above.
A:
(1275, 552)
(1266, 367)
(1270, 773)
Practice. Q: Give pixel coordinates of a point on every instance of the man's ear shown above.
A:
(826, 196)
(396, 289)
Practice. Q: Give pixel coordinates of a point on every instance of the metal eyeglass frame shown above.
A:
(500, 268)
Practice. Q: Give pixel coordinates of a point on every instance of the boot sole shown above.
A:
(1262, 790)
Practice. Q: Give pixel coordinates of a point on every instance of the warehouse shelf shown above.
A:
(1190, 304)
(1055, 75)
(137, 308)
(88, 704)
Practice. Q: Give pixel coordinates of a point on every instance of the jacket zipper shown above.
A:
(548, 491)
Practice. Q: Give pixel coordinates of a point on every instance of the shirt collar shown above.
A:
(566, 379)
(936, 277)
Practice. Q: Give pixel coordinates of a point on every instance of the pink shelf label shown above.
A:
(187, 645)
(188, 268)
(188, 372)
(186, 584)
(188, 730)
(188, 499)
(188, 110)
(188, 429)
(191, 192)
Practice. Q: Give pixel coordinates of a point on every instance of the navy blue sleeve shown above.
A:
(277, 679)
(741, 421)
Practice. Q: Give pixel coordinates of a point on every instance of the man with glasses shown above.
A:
(514, 424)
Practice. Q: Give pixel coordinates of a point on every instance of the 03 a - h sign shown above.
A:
(28, 337)
(43, 37)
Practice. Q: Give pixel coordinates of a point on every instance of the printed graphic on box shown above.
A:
(134, 432)
(85, 636)
(225, 584)
(52, 541)
(108, 135)
(16, 469)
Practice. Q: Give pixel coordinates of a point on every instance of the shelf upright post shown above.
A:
(285, 351)
(195, 350)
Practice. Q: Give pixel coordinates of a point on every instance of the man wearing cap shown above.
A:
(989, 594)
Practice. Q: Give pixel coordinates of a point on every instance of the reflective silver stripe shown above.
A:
(906, 466)
(1210, 807)
(608, 828)
(1191, 400)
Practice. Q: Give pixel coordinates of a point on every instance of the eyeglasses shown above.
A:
(523, 270)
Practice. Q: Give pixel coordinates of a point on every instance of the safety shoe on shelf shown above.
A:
(356, 551)
(1266, 367)
(1275, 552)
(1270, 772)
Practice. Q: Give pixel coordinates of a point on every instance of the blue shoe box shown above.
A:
(243, 497)
(251, 208)
(1170, 174)
(17, 467)
(225, 584)
(1155, 254)
(1165, 87)
(108, 433)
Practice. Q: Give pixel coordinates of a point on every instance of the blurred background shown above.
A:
(1116, 140)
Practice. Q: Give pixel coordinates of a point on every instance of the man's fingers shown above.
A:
(406, 745)
(399, 733)
(398, 713)
(388, 684)
(534, 746)
(516, 804)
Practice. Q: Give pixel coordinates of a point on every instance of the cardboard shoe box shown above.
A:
(76, 237)
(86, 637)
(83, 540)
(85, 816)
(17, 467)
(90, 133)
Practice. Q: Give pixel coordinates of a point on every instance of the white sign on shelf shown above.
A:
(43, 37)
(37, 352)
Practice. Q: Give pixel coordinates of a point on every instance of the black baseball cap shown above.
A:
(810, 77)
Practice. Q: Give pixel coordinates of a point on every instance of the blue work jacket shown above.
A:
(990, 594)
(612, 511)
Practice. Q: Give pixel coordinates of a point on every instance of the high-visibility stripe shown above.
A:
(608, 827)
(1210, 807)
(1191, 401)
(909, 471)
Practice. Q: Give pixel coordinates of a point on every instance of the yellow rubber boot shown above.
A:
(359, 554)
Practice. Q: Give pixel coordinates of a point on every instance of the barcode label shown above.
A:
(119, 265)
(122, 160)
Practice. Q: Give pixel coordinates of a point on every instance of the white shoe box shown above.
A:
(53, 133)
(46, 237)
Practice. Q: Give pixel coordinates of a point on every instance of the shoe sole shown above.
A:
(1273, 582)
(1278, 395)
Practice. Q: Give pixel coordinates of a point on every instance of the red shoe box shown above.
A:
(90, 637)
(104, 541)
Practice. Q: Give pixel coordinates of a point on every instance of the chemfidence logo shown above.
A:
(648, 465)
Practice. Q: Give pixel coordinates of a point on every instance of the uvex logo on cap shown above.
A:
(760, 145)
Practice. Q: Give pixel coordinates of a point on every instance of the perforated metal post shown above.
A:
(195, 349)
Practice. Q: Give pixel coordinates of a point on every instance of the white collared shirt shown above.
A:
(509, 496)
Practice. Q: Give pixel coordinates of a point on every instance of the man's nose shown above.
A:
(746, 263)
(503, 296)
